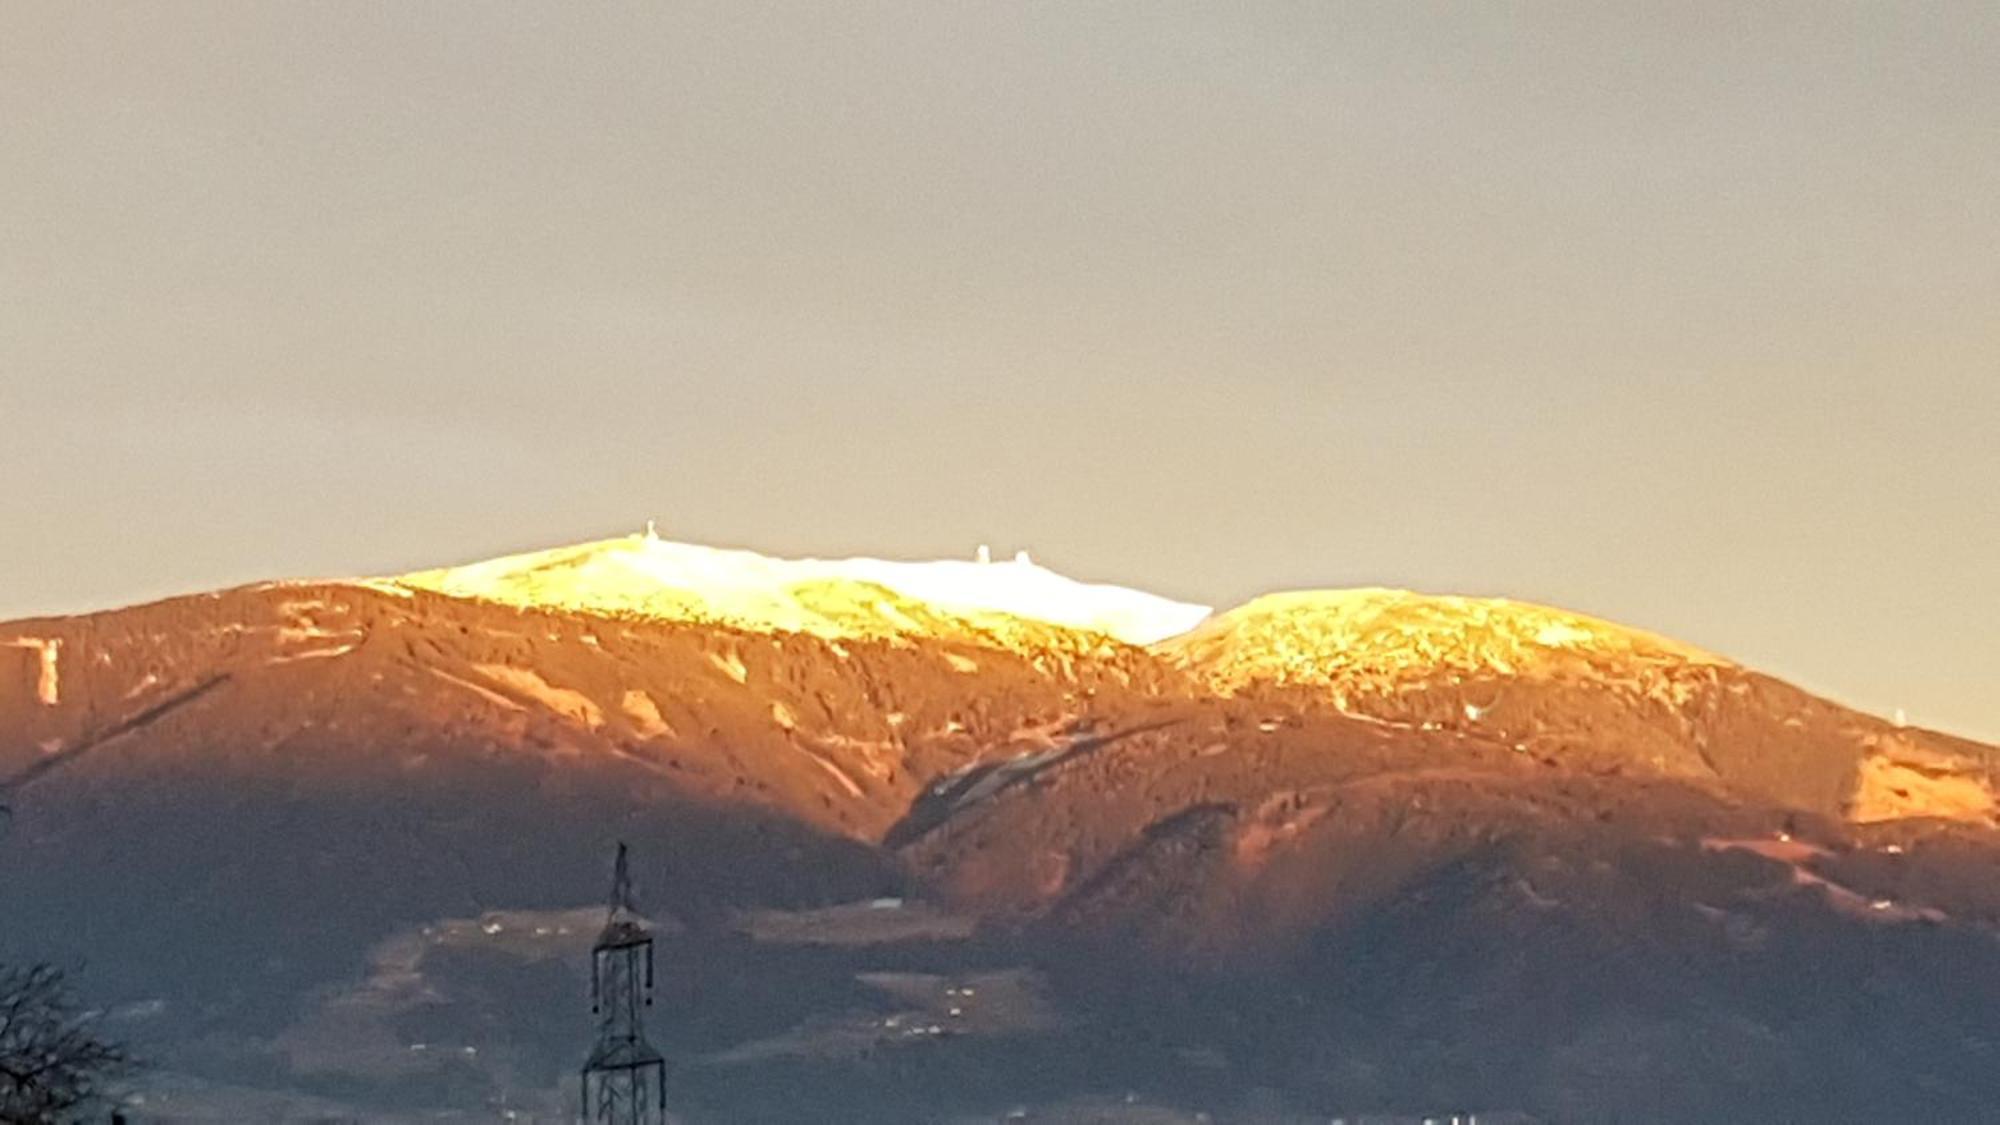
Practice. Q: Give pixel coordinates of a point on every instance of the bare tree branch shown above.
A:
(52, 1061)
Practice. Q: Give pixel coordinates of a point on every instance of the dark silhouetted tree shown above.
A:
(53, 1063)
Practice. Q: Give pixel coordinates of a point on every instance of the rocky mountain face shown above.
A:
(946, 841)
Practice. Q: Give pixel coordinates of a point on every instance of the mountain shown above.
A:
(934, 841)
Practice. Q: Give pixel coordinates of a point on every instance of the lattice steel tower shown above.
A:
(625, 1081)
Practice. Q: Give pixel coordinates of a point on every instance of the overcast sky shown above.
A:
(1686, 315)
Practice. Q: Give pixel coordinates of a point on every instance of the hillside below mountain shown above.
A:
(322, 843)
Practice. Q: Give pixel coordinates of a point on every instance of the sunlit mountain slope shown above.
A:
(1376, 642)
(931, 835)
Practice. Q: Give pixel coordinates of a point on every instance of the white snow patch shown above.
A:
(288, 634)
(1373, 643)
(731, 665)
(313, 654)
(48, 679)
(640, 574)
(382, 586)
(1557, 634)
(833, 771)
(569, 704)
(48, 683)
(645, 714)
(480, 690)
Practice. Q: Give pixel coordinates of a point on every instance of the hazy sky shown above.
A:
(1684, 315)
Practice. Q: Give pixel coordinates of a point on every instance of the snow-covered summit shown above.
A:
(643, 575)
(1372, 640)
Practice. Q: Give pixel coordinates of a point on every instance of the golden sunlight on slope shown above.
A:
(1375, 641)
(644, 576)
(1901, 780)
